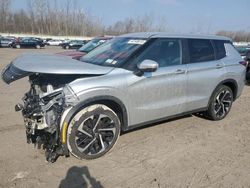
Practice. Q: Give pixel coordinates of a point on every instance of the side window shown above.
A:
(200, 50)
(220, 49)
(166, 52)
(25, 40)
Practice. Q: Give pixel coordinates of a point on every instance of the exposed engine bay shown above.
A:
(42, 108)
(53, 93)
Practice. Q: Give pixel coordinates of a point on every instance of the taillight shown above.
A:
(244, 63)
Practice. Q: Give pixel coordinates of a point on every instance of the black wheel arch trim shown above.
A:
(90, 101)
(235, 91)
(235, 84)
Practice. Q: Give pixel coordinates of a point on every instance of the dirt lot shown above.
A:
(185, 152)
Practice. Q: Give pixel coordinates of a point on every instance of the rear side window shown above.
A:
(200, 50)
(220, 49)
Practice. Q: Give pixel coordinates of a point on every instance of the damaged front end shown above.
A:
(44, 105)
(42, 108)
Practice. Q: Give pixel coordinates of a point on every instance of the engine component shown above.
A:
(42, 109)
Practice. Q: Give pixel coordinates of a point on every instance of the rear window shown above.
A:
(200, 50)
(220, 49)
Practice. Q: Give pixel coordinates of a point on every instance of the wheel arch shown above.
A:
(112, 102)
(231, 83)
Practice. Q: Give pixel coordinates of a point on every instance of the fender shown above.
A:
(235, 85)
(75, 109)
(235, 89)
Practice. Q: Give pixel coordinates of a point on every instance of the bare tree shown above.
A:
(237, 36)
(4, 14)
(65, 18)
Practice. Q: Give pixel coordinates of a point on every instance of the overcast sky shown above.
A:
(182, 16)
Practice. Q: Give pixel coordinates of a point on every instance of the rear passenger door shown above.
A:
(32, 43)
(24, 43)
(204, 71)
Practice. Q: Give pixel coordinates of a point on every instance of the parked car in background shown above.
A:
(247, 58)
(28, 43)
(5, 42)
(39, 39)
(11, 37)
(89, 46)
(243, 50)
(245, 54)
(130, 81)
(47, 39)
(73, 44)
(54, 42)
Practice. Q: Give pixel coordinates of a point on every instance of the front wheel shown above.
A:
(220, 103)
(93, 131)
(38, 46)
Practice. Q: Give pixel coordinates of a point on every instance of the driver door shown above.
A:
(159, 94)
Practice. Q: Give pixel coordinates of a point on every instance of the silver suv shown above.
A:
(80, 107)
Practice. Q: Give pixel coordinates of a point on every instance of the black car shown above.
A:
(247, 58)
(27, 43)
(243, 50)
(73, 44)
(245, 54)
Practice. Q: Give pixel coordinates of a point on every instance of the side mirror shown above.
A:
(148, 65)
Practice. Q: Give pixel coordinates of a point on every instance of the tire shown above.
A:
(38, 46)
(93, 131)
(18, 46)
(220, 103)
(66, 47)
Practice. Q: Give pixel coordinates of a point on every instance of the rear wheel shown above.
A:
(93, 131)
(67, 47)
(38, 46)
(18, 46)
(220, 103)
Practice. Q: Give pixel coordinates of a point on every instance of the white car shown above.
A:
(54, 42)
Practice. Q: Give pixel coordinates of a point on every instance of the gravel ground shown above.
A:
(184, 152)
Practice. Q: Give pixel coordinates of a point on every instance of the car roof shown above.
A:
(167, 35)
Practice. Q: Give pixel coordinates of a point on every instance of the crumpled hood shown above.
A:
(71, 53)
(27, 65)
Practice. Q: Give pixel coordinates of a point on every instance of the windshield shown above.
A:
(113, 53)
(91, 45)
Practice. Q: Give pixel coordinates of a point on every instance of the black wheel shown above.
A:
(93, 131)
(220, 103)
(66, 47)
(38, 46)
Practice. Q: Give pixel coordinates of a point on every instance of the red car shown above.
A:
(77, 54)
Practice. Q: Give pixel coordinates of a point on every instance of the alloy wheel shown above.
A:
(222, 103)
(95, 134)
(93, 131)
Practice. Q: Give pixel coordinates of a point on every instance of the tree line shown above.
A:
(65, 18)
(237, 36)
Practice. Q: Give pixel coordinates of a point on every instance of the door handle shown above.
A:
(179, 71)
(218, 66)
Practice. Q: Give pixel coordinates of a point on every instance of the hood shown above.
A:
(27, 65)
(73, 53)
